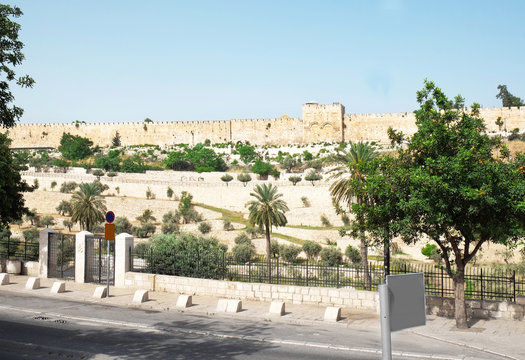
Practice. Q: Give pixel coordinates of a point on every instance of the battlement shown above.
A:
(319, 123)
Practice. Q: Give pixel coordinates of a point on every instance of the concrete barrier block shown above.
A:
(234, 306)
(13, 267)
(100, 292)
(332, 313)
(58, 287)
(33, 283)
(4, 279)
(140, 296)
(277, 308)
(184, 301)
(222, 305)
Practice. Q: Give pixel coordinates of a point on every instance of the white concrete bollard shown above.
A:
(277, 308)
(100, 292)
(222, 305)
(58, 287)
(184, 301)
(332, 313)
(140, 296)
(4, 279)
(234, 306)
(33, 283)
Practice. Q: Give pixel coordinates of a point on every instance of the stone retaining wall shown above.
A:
(347, 297)
(478, 309)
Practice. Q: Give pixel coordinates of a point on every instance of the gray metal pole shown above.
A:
(107, 265)
(384, 312)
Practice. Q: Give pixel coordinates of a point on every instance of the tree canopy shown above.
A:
(507, 99)
(449, 185)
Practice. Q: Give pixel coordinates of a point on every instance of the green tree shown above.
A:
(64, 208)
(115, 141)
(447, 185)
(170, 223)
(74, 147)
(204, 227)
(226, 178)
(295, 179)
(247, 153)
(47, 220)
(243, 250)
(267, 210)
(313, 176)
(289, 163)
(67, 223)
(262, 169)
(12, 56)
(122, 225)
(169, 192)
(88, 205)
(353, 254)
(331, 256)
(289, 252)
(244, 178)
(348, 170)
(12, 186)
(311, 249)
(146, 217)
(507, 99)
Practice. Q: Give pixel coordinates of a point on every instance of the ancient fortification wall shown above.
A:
(319, 122)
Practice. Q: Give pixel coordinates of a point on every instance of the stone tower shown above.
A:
(323, 122)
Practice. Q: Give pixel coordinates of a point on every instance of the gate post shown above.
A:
(123, 251)
(82, 247)
(43, 257)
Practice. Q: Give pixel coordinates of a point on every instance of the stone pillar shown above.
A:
(123, 249)
(83, 254)
(43, 257)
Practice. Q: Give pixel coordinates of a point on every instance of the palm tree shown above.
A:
(88, 206)
(267, 211)
(343, 193)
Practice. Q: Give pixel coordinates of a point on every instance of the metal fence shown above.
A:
(480, 283)
(14, 249)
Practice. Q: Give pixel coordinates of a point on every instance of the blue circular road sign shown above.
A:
(110, 217)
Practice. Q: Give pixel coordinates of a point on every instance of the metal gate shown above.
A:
(61, 256)
(97, 260)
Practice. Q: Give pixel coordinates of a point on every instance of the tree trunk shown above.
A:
(460, 307)
(268, 253)
(386, 257)
(364, 261)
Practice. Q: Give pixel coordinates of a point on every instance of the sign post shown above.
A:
(402, 306)
(109, 235)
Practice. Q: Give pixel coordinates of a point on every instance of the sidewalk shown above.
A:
(500, 338)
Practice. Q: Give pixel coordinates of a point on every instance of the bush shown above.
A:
(346, 219)
(169, 192)
(149, 194)
(122, 225)
(31, 235)
(311, 249)
(204, 227)
(170, 223)
(53, 184)
(253, 231)
(242, 239)
(306, 202)
(353, 254)
(187, 255)
(67, 223)
(262, 169)
(289, 252)
(98, 173)
(432, 252)
(331, 256)
(64, 208)
(75, 147)
(274, 248)
(68, 187)
(111, 174)
(144, 230)
(227, 225)
(243, 252)
(295, 179)
(141, 249)
(325, 221)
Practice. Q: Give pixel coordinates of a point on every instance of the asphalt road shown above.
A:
(44, 328)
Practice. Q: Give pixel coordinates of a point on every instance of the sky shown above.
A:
(127, 60)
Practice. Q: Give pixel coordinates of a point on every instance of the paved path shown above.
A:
(494, 339)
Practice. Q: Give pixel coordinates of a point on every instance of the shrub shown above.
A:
(75, 147)
(262, 169)
(325, 221)
(111, 174)
(226, 178)
(53, 184)
(346, 219)
(169, 192)
(204, 227)
(353, 254)
(31, 235)
(313, 176)
(244, 178)
(68, 187)
(141, 249)
(295, 179)
(289, 252)
(243, 252)
(227, 225)
(316, 164)
(331, 256)
(306, 202)
(242, 239)
(146, 217)
(274, 248)
(170, 223)
(149, 194)
(144, 230)
(432, 252)
(311, 249)
(122, 225)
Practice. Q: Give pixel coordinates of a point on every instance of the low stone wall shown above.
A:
(478, 309)
(347, 297)
(30, 268)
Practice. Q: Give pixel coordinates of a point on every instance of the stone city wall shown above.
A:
(320, 123)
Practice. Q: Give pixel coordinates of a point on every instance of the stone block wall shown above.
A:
(347, 297)
(477, 309)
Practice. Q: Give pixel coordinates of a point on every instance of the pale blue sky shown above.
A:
(104, 61)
